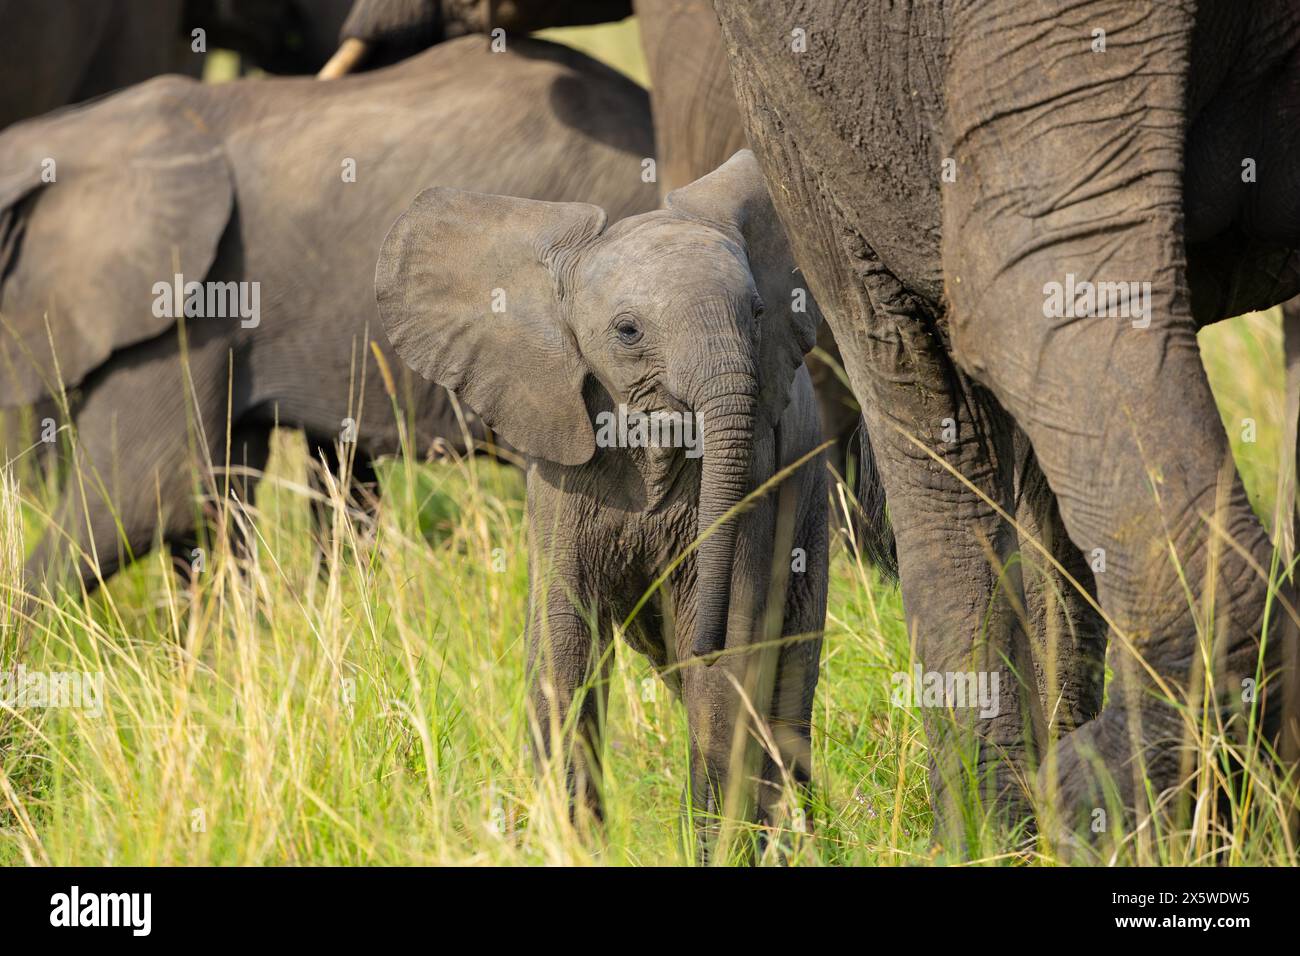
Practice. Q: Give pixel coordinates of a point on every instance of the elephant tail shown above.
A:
(874, 532)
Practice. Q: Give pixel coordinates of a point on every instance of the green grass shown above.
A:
(364, 702)
(618, 44)
(226, 698)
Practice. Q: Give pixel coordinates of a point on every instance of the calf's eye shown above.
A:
(629, 333)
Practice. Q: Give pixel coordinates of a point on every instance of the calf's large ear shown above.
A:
(734, 198)
(469, 290)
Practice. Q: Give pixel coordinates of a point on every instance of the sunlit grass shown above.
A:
(1244, 361)
(618, 44)
(362, 699)
(364, 702)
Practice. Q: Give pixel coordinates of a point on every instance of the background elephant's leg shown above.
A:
(840, 416)
(1287, 502)
(697, 124)
(30, 439)
(852, 458)
(1069, 635)
(1287, 509)
(148, 434)
(250, 448)
(360, 489)
(568, 694)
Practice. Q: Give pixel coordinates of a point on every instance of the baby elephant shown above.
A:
(653, 374)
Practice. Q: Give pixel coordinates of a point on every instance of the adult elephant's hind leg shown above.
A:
(941, 444)
(1066, 270)
(1068, 632)
(945, 462)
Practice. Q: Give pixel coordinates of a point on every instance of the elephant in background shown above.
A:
(56, 52)
(278, 36)
(276, 192)
(388, 30)
(934, 210)
(682, 312)
(63, 51)
(697, 125)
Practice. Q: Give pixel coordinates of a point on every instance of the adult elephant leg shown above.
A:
(947, 498)
(148, 433)
(1068, 632)
(944, 452)
(1070, 169)
(840, 416)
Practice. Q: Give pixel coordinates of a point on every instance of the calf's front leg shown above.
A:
(566, 649)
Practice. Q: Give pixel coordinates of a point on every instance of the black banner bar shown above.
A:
(340, 906)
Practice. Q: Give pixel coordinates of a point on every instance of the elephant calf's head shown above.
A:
(514, 304)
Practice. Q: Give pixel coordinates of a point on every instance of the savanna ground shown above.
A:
(364, 702)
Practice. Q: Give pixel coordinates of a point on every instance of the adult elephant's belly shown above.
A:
(1241, 173)
(1241, 180)
(858, 123)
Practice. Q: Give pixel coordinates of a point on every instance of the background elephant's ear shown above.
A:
(97, 206)
(469, 289)
(734, 198)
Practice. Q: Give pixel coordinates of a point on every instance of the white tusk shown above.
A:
(351, 52)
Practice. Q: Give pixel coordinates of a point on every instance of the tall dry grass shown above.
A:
(356, 695)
